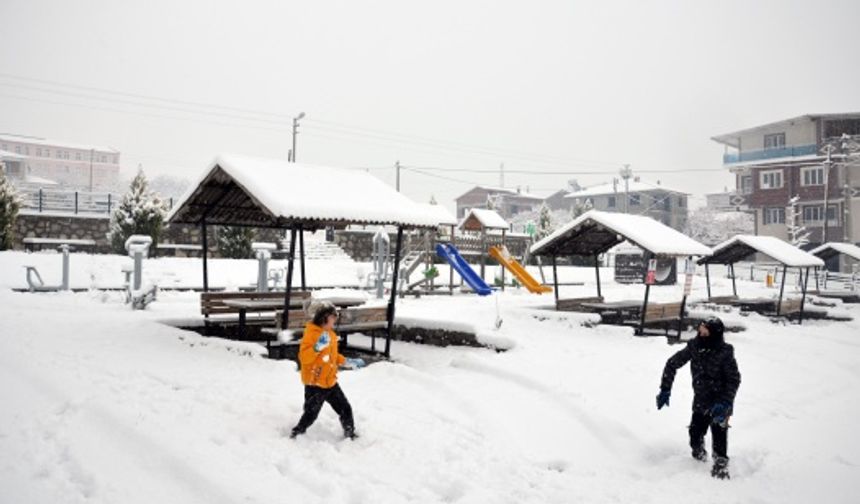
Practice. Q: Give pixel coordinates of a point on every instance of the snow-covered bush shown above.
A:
(711, 227)
(10, 203)
(797, 233)
(139, 212)
(234, 242)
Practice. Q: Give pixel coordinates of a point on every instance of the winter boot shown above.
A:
(721, 468)
(350, 434)
(295, 433)
(700, 453)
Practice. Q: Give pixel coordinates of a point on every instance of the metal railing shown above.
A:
(800, 150)
(76, 202)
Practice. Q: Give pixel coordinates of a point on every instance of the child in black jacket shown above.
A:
(715, 382)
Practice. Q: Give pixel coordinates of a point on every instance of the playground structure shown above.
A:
(263, 253)
(449, 253)
(508, 262)
(34, 279)
(137, 247)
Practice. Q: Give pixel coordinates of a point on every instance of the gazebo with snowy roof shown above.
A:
(483, 221)
(595, 232)
(271, 193)
(742, 247)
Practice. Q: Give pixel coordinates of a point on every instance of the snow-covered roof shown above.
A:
(439, 213)
(4, 154)
(731, 138)
(610, 188)
(487, 219)
(241, 190)
(742, 246)
(503, 190)
(831, 249)
(55, 143)
(595, 232)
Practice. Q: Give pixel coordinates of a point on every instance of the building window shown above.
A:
(774, 215)
(667, 203)
(774, 141)
(813, 214)
(78, 156)
(746, 184)
(47, 152)
(610, 202)
(59, 154)
(812, 176)
(771, 179)
(634, 199)
(38, 152)
(114, 160)
(17, 149)
(681, 202)
(103, 158)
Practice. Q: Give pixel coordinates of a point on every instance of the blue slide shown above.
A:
(452, 255)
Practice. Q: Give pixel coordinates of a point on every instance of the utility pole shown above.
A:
(828, 163)
(397, 167)
(295, 132)
(92, 153)
(626, 173)
(502, 175)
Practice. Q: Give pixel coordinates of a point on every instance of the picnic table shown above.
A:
(261, 305)
(758, 305)
(618, 309)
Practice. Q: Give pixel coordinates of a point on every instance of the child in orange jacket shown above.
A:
(319, 360)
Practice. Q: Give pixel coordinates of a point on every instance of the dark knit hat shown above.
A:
(318, 309)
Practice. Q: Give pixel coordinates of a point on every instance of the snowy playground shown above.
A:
(103, 403)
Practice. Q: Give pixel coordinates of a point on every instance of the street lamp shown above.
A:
(295, 132)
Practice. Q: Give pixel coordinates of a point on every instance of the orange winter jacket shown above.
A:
(319, 369)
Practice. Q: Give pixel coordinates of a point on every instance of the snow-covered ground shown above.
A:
(102, 404)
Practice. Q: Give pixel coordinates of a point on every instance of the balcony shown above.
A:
(758, 155)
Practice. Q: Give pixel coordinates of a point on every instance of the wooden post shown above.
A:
(302, 255)
(734, 285)
(502, 265)
(645, 302)
(803, 290)
(205, 255)
(681, 315)
(483, 252)
(451, 268)
(817, 288)
(555, 281)
(597, 273)
(285, 318)
(781, 289)
(390, 313)
(708, 280)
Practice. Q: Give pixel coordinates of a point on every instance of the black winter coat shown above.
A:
(715, 372)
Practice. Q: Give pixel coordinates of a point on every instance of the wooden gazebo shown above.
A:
(595, 232)
(271, 193)
(743, 247)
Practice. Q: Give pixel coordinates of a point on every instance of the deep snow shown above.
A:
(102, 404)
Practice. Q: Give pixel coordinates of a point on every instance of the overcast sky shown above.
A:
(564, 86)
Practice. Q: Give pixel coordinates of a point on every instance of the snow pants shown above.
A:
(719, 435)
(315, 397)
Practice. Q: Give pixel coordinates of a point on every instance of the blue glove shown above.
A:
(356, 363)
(663, 398)
(720, 413)
(322, 343)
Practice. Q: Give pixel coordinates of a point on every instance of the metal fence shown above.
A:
(76, 202)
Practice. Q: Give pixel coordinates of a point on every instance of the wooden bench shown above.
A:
(663, 312)
(212, 303)
(349, 319)
(722, 299)
(789, 307)
(575, 304)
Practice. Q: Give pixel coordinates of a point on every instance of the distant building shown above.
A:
(726, 201)
(41, 162)
(654, 200)
(774, 162)
(506, 202)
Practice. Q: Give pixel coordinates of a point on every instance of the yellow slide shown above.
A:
(502, 255)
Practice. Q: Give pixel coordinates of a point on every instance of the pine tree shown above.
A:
(234, 242)
(139, 212)
(545, 226)
(10, 203)
(797, 233)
